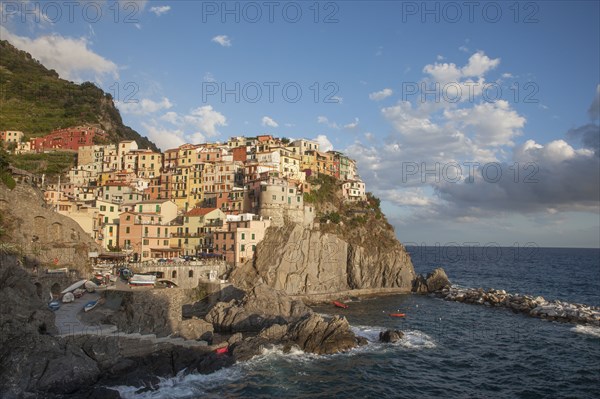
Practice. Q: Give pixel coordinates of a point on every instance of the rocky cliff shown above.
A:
(39, 233)
(302, 261)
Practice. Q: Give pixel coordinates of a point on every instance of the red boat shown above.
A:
(397, 314)
(340, 304)
(222, 350)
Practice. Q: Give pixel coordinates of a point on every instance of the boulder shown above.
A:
(261, 308)
(437, 280)
(195, 329)
(316, 335)
(420, 285)
(391, 336)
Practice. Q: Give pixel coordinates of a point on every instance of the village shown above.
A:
(193, 202)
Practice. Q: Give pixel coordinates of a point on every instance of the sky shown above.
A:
(473, 122)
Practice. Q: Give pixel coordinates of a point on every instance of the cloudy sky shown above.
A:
(472, 123)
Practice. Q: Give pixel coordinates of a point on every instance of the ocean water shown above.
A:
(450, 349)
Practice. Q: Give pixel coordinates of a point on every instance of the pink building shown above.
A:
(238, 240)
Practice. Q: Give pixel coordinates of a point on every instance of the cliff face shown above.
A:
(39, 232)
(302, 261)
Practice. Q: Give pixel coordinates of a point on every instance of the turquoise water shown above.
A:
(450, 349)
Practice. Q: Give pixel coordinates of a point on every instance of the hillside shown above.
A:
(35, 100)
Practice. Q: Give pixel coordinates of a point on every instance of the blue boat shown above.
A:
(90, 305)
(54, 305)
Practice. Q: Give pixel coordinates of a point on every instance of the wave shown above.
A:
(587, 330)
(183, 385)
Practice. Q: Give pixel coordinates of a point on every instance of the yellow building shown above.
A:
(195, 235)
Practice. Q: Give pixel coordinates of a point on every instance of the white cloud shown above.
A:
(70, 57)
(164, 138)
(267, 121)
(464, 49)
(171, 117)
(507, 75)
(325, 121)
(145, 106)
(160, 10)
(324, 143)
(223, 40)
(352, 125)
(479, 64)
(440, 57)
(206, 119)
(380, 95)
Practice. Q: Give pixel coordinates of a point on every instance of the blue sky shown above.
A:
(367, 58)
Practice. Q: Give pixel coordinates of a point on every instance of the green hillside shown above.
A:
(35, 100)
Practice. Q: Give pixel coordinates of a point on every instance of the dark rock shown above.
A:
(314, 334)
(437, 280)
(391, 336)
(261, 307)
(420, 285)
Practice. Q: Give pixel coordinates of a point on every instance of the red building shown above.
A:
(70, 138)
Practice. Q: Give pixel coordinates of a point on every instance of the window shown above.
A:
(105, 219)
(127, 230)
(157, 208)
(140, 209)
(191, 274)
(274, 198)
(165, 242)
(102, 208)
(243, 236)
(146, 242)
(128, 217)
(112, 208)
(242, 248)
(291, 190)
(174, 274)
(253, 236)
(110, 243)
(254, 248)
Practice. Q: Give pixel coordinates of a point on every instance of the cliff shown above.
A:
(33, 230)
(303, 261)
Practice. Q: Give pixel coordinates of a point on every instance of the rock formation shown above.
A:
(391, 336)
(259, 309)
(302, 261)
(435, 281)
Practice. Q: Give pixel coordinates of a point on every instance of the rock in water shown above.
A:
(314, 334)
(437, 280)
(391, 336)
(420, 285)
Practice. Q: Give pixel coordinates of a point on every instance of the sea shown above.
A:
(449, 349)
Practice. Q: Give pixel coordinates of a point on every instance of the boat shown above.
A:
(142, 280)
(54, 305)
(73, 287)
(78, 293)
(340, 304)
(90, 305)
(397, 314)
(222, 350)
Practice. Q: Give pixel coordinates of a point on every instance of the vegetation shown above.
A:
(5, 175)
(323, 189)
(50, 163)
(36, 101)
